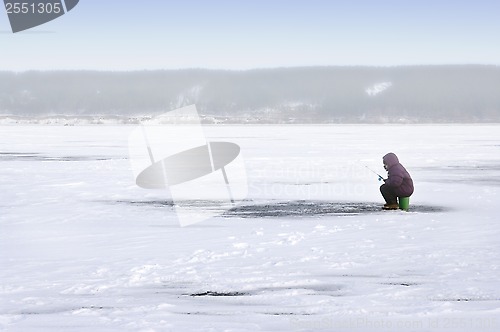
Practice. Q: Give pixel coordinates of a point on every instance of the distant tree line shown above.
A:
(452, 93)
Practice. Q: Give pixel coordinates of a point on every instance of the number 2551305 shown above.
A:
(33, 8)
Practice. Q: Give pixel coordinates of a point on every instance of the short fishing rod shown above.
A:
(380, 177)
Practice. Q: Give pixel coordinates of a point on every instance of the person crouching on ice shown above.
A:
(397, 184)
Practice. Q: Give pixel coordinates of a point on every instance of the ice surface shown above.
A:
(83, 249)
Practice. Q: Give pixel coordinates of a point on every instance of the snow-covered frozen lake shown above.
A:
(82, 248)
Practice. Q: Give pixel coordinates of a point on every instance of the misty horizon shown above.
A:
(207, 68)
(322, 94)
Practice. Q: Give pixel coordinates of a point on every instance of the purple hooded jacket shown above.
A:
(398, 177)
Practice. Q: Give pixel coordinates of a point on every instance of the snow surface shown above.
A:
(84, 249)
(378, 88)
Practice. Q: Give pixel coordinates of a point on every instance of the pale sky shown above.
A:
(247, 34)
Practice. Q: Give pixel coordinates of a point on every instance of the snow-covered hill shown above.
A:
(461, 93)
(377, 88)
